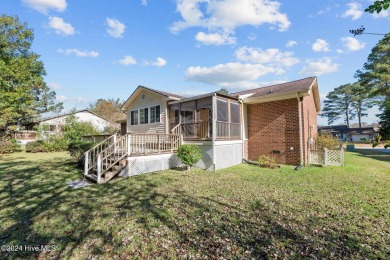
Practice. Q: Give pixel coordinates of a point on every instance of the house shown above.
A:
(53, 125)
(354, 134)
(278, 121)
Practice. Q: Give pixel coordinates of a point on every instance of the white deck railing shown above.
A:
(102, 157)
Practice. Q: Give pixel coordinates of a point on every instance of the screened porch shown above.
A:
(200, 117)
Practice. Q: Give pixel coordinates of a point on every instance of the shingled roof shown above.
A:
(292, 86)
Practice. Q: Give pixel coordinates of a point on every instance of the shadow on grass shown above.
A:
(38, 208)
(374, 154)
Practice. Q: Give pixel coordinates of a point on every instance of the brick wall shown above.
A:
(309, 115)
(274, 127)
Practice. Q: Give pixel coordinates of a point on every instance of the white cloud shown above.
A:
(53, 85)
(78, 53)
(228, 14)
(319, 67)
(144, 2)
(382, 14)
(352, 44)
(354, 11)
(160, 62)
(214, 38)
(230, 73)
(320, 46)
(43, 6)
(61, 98)
(115, 28)
(291, 43)
(127, 60)
(60, 26)
(269, 56)
(339, 51)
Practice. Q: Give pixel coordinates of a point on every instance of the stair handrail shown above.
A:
(176, 129)
(90, 156)
(119, 149)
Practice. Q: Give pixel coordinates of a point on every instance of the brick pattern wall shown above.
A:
(309, 123)
(274, 127)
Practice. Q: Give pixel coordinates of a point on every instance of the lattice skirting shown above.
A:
(327, 157)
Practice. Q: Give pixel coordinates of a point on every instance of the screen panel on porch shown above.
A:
(228, 119)
(187, 115)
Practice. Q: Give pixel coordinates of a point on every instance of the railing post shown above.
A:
(326, 156)
(159, 144)
(115, 148)
(128, 136)
(86, 162)
(99, 168)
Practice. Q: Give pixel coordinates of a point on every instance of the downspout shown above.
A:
(242, 127)
(214, 125)
(300, 129)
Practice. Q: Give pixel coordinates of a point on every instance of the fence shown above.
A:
(327, 157)
(25, 135)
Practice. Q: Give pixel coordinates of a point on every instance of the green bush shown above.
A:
(327, 141)
(8, 147)
(265, 161)
(36, 147)
(77, 150)
(189, 154)
(387, 144)
(363, 140)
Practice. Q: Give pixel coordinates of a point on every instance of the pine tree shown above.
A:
(375, 76)
(338, 104)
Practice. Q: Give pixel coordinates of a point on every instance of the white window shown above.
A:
(134, 117)
(143, 116)
(155, 114)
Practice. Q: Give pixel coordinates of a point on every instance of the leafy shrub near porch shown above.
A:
(36, 147)
(78, 148)
(189, 154)
(327, 141)
(8, 146)
(265, 161)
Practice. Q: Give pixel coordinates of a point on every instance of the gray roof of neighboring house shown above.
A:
(297, 85)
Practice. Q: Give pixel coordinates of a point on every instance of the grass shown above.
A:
(239, 212)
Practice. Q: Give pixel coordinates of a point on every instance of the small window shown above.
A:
(143, 116)
(134, 117)
(155, 114)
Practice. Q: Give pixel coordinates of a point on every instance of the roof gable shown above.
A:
(167, 95)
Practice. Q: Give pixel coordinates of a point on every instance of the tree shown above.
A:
(24, 94)
(109, 109)
(361, 101)
(339, 104)
(375, 76)
(223, 91)
(378, 6)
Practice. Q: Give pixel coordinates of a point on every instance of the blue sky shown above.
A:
(105, 49)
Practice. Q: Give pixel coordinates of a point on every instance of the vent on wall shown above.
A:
(143, 96)
(275, 151)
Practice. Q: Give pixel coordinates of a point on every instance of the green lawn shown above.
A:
(240, 212)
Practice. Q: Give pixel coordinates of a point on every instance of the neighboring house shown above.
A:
(354, 134)
(53, 125)
(278, 120)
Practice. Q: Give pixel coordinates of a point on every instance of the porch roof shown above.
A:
(201, 97)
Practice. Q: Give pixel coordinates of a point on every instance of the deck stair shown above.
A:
(107, 159)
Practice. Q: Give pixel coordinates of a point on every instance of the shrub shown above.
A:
(189, 154)
(77, 150)
(267, 162)
(363, 140)
(327, 141)
(36, 147)
(56, 143)
(387, 144)
(7, 147)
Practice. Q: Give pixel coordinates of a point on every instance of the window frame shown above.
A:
(145, 120)
(155, 117)
(136, 119)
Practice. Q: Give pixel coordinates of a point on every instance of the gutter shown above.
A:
(242, 126)
(214, 125)
(300, 129)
